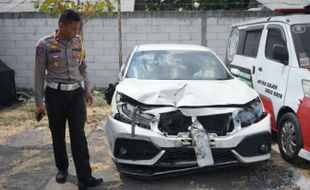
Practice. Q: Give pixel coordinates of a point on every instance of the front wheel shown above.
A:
(289, 137)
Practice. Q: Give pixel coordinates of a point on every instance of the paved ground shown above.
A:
(26, 162)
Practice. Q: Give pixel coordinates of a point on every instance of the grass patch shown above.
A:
(23, 113)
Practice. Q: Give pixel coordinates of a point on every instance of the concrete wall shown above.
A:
(19, 33)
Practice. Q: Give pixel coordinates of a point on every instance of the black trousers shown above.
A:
(68, 106)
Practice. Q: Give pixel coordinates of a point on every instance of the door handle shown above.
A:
(253, 70)
(260, 69)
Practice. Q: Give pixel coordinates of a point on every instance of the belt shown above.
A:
(64, 87)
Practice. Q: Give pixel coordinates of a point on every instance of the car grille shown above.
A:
(174, 122)
(180, 157)
(219, 124)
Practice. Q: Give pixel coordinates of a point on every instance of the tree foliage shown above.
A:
(86, 9)
(190, 5)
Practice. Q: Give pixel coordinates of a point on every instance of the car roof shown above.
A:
(289, 19)
(157, 47)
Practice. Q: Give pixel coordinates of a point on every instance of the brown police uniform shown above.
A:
(63, 60)
(60, 65)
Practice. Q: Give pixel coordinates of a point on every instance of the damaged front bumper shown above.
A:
(147, 153)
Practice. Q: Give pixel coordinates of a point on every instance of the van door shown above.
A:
(242, 49)
(273, 70)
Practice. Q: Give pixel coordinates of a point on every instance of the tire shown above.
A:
(289, 137)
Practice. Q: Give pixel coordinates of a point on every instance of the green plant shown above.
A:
(87, 9)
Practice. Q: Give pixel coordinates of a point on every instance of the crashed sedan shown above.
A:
(176, 108)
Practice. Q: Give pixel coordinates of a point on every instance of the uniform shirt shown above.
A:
(60, 61)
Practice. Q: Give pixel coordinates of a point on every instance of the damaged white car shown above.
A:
(177, 109)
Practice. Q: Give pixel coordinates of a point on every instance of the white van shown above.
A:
(272, 56)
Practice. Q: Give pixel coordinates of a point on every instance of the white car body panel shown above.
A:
(187, 93)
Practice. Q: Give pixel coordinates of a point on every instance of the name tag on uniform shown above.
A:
(54, 51)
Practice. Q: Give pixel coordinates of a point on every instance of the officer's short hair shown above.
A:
(69, 16)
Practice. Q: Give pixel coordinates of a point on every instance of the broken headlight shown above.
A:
(251, 113)
(130, 113)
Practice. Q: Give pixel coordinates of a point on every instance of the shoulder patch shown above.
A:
(39, 50)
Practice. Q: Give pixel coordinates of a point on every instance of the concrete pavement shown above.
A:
(27, 163)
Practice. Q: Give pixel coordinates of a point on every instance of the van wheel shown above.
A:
(289, 137)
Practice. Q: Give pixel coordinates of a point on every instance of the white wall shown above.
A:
(19, 33)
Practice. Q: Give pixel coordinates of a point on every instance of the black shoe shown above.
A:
(61, 176)
(90, 184)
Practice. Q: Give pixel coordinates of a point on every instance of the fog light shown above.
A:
(135, 149)
(264, 148)
(122, 151)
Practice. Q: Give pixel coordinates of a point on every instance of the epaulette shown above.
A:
(44, 39)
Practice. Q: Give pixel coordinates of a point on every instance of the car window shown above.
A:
(274, 37)
(251, 43)
(124, 66)
(232, 45)
(301, 39)
(176, 65)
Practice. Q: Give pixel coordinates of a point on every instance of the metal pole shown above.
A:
(119, 17)
(133, 124)
(81, 27)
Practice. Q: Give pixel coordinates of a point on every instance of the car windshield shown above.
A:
(301, 38)
(176, 65)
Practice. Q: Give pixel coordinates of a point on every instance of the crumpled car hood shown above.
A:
(185, 93)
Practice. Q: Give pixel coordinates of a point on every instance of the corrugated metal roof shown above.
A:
(284, 4)
(27, 5)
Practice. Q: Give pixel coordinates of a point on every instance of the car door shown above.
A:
(244, 62)
(273, 70)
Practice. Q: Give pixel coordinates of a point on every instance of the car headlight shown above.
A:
(130, 114)
(306, 88)
(251, 113)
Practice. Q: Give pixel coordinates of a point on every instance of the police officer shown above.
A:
(59, 60)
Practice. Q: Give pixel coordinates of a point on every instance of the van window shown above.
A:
(301, 39)
(274, 37)
(251, 43)
(241, 42)
(232, 45)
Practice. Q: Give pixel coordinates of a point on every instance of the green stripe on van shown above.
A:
(246, 81)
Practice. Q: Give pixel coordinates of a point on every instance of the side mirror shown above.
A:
(109, 92)
(279, 52)
(235, 71)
